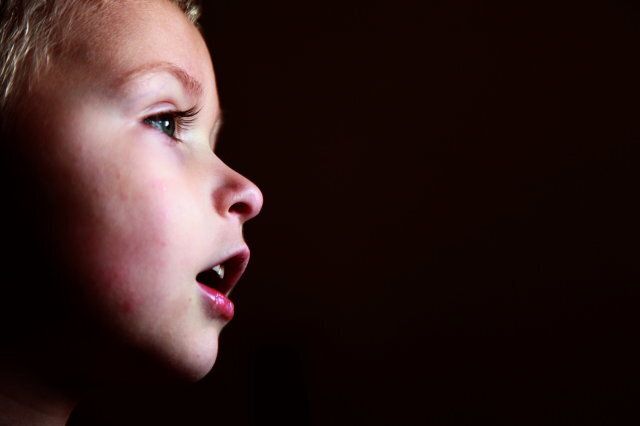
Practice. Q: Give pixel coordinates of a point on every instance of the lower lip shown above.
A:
(220, 305)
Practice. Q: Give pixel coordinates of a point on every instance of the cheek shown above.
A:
(134, 245)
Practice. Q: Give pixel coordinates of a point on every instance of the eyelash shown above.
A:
(182, 120)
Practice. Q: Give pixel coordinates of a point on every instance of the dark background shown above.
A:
(449, 234)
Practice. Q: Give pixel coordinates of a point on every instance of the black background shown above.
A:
(449, 233)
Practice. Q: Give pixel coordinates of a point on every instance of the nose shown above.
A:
(237, 196)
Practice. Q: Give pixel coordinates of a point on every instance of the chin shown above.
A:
(196, 360)
(161, 362)
(200, 367)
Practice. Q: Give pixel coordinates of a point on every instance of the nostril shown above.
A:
(248, 202)
(241, 208)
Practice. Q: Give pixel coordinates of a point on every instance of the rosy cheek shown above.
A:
(114, 284)
(126, 307)
(159, 186)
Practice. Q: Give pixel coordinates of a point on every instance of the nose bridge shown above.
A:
(235, 195)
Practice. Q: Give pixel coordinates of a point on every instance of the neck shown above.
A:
(27, 398)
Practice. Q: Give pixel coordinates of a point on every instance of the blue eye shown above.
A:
(172, 122)
(166, 123)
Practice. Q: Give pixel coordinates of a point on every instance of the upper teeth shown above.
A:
(219, 269)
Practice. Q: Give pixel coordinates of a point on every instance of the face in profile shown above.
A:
(148, 220)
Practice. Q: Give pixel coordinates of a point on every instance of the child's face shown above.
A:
(140, 214)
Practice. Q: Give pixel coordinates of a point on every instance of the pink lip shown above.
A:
(221, 306)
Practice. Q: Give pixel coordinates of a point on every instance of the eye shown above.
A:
(172, 122)
(166, 123)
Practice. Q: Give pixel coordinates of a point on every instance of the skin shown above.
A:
(136, 215)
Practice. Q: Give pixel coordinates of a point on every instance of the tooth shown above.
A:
(219, 270)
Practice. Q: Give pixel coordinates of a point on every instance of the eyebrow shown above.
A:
(192, 86)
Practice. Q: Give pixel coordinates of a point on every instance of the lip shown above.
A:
(220, 305)
(234, 265)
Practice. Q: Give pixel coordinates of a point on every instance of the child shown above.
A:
(124, 227)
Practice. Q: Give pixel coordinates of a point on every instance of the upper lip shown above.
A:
(234, 266)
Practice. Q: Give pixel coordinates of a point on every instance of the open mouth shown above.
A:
(224, 275)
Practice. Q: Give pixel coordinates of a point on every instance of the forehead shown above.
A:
(135, 36)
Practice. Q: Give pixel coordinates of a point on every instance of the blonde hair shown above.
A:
(31, 31)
